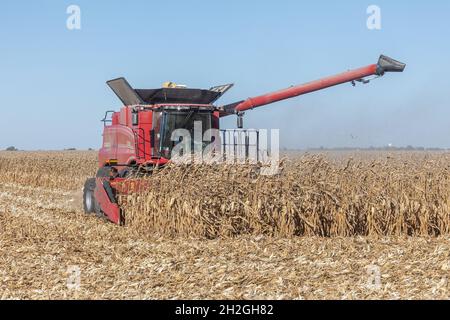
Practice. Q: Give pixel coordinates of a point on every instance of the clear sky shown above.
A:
(53, 92)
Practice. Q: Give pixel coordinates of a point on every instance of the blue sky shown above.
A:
(53, 90)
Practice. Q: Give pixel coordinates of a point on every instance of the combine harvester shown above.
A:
(139, 137)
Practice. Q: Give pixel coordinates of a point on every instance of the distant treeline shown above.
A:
(12, 148)
(407, 148)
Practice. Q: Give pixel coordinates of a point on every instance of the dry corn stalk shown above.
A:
(313, 196)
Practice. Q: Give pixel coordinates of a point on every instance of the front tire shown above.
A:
(88, 196)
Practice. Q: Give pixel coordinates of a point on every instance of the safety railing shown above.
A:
(240, 145)
(140, 143)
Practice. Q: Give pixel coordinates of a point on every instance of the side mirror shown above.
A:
(135, 118)
(240, 120)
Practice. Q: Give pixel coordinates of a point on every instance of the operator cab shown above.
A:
(172, 124)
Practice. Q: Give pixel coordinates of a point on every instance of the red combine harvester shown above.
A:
(138, 138)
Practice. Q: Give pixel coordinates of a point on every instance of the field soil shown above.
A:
(51, 249)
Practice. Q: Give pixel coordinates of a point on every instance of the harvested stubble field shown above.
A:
(326, 227)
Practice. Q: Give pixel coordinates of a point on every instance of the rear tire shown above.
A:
(89, 203)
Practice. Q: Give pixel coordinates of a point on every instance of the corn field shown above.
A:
(314, 231)
(60, 170)
(312, 196)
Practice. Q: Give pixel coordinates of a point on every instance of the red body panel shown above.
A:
(129, 186)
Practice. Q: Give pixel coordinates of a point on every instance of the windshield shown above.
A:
(172, 120)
